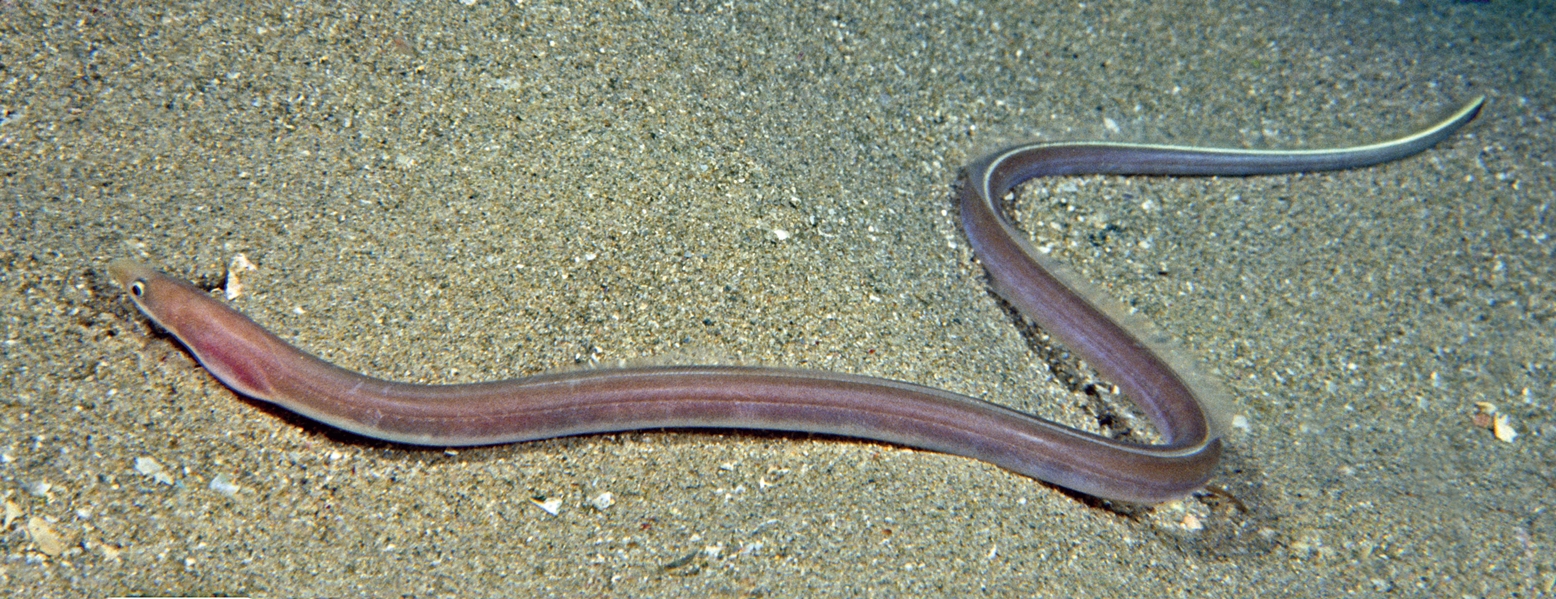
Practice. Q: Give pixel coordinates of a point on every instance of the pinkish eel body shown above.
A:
(255, 363)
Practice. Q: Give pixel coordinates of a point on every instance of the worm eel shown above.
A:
(255, 363)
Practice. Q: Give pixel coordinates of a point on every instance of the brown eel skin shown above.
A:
(255, 363)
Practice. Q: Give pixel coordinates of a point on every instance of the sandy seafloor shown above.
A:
(461, 191)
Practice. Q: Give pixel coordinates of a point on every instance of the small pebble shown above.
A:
(224, 485)
(43, 535)
(149, 466)
(39, 489)
(12, 512)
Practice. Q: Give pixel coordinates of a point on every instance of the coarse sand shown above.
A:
(457, 191)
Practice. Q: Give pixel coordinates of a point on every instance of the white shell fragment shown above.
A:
(1503, 431)
(233, 288)
(1486, 416)
(551, 505)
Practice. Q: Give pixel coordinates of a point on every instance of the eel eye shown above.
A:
(138, 288)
